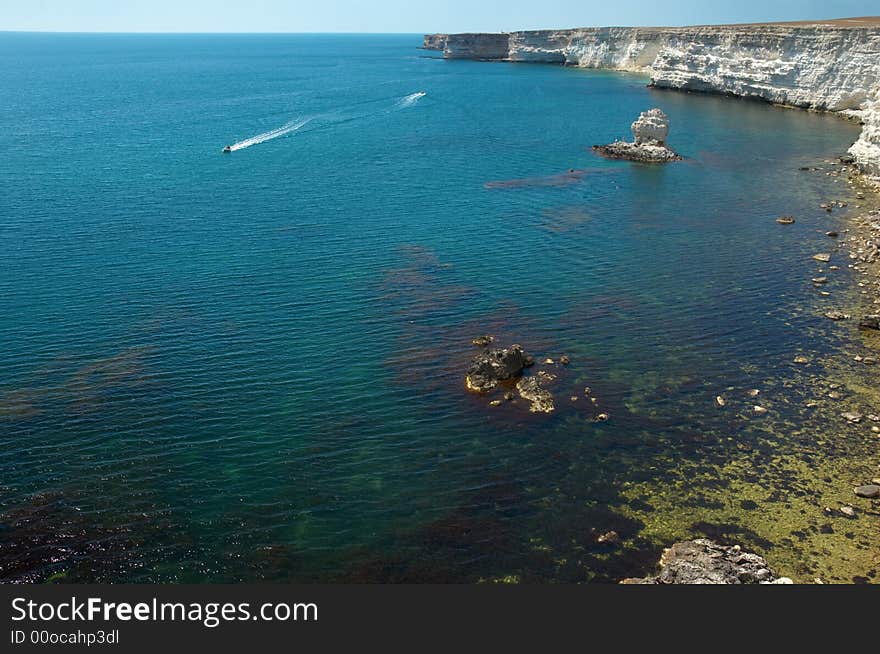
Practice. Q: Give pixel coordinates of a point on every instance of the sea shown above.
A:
(249, 365)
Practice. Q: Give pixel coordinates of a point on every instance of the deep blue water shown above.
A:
(250, 366)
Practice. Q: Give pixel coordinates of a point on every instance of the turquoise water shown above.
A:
(246, 366)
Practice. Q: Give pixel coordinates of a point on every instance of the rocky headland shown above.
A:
(826, 66)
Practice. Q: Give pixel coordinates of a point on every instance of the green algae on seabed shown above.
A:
(784, 500)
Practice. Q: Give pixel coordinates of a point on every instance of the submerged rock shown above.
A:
(650, 131)
(870, 323)
(483, 341)
(530, 389)
(705, 562)
(493, 366)
(836, 315)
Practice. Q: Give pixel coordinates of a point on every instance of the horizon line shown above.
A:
(190, 32)
(875, 19)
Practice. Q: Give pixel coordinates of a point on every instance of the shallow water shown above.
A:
(250, 366)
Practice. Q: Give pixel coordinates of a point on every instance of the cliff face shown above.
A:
(832, 66)
(435, 42)
(476, 46)
(867, 149)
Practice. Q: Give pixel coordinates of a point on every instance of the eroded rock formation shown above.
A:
(650, 131)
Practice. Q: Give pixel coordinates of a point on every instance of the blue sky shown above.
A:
(414, 16)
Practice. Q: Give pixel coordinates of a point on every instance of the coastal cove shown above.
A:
(251, 366)
(829, 65)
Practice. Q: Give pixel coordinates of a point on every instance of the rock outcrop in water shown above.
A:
(829, 65)
(706, 562)
(649, 144)
(490, 368)
(532, 390)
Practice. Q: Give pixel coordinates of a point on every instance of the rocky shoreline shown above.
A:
(846, 504)
(861, 244)
(845, 391)
(703, 561)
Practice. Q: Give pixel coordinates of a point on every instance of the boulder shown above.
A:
(493, 366)
(869, 491)
(705, 562)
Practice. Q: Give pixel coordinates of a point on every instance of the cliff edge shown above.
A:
(829, 65)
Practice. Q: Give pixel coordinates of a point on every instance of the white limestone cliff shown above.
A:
(829, 66)
(866, 151)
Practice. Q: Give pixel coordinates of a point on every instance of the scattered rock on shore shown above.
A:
(869, 491)
(705, 562)
(848, 511)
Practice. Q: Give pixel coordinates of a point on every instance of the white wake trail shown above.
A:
(411, 99)
(268, 136)
(332, 118)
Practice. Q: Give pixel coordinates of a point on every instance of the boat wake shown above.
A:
(331, 118)
(268, 136)
(410, 100)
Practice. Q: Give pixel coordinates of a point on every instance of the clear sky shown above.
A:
(412, 16)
